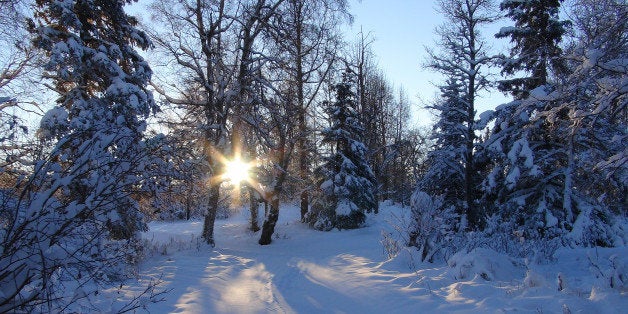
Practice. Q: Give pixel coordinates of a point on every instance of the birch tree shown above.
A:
(198, 36)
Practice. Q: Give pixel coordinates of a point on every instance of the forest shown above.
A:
(109, 122)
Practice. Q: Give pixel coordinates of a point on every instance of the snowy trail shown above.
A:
(230, 284)
(306, 271)
(301, 271)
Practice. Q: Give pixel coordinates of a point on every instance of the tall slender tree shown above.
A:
(445, 174)
(254, 21)
(463, 59)
(216, 43)
(194, 36)
(535, 36)
(400, 155)
(276, 127)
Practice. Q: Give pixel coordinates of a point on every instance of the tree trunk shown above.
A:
(469, 175)
(271, 220)
(305, 205)
(568, 185)
(303, 163)
(302, 148)
(210, 217)
(273, 197)
(188, 202)
(469, 188)
(300, 82)
(254, 208)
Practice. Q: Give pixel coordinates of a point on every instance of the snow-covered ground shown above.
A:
(308, 271)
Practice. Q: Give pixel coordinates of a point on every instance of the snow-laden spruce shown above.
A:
(553, 179)
(535, 37)
(347, 183)
(75, 219)
(462, 59)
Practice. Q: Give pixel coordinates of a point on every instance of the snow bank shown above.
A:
(484, 263)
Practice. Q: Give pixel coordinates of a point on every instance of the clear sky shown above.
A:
(402, 29)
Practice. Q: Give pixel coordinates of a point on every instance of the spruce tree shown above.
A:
(347, 183)
(535, 36)
(440, 191)
(98, 122)
(547, 146)
(593, 101)
(525, 183)
(73, 220)
(445, 172)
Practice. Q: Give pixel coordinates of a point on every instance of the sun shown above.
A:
(236, 171)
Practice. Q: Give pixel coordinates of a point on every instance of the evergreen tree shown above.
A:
(70, 223)
(536, 36)
(347, 182)
(550, 149)
(525, 183)
(445, 172)
(594, 99)
(438, 202)
(98, 121)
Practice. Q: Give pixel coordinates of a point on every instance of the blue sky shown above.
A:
(402, 29)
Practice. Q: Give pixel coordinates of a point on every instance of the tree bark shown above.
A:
(269, 224)
(568, 182)
(299, 81)
(273, 196)
(469, 172)
(188, 202)
(254, 208)
(210, 217)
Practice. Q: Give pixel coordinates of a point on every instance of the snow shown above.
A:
(308, 271)
(485, 117)
(512, 177)
(345, 207)
(521, 149)
(54, 117)
(504, 31)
